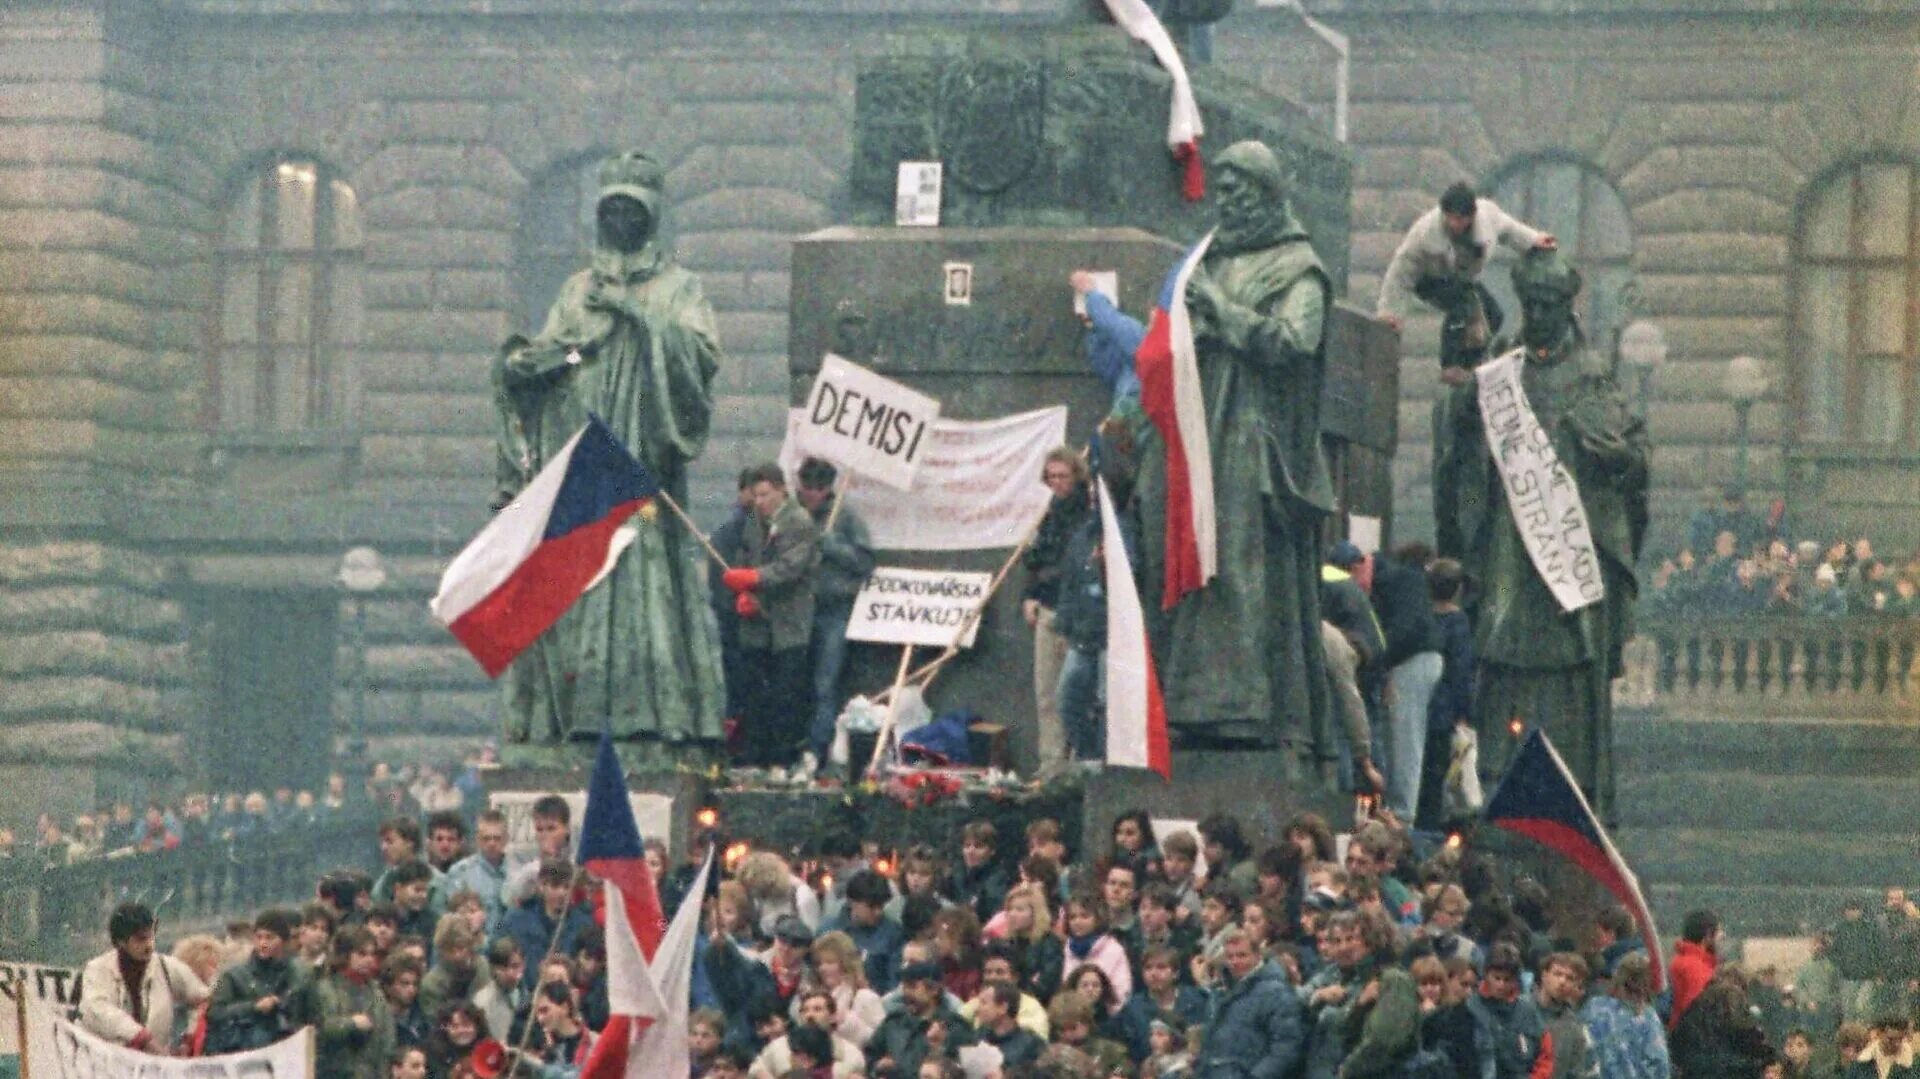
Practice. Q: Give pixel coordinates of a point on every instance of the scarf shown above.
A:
(354, 977)
(133, 975)
(1081, 946)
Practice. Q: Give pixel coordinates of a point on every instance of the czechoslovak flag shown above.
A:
(1539, 799)
(648, 972)
(1183, 115)
(541, 553)
(1169, 371)
(1136, 713)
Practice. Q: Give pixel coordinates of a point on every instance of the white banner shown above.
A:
(1541, 494)
(918, 606)
(57, 1049)
(978, 488)
(55, 986)
(866, 424)
(653, 812)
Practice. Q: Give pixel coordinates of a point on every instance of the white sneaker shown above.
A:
(809, 766)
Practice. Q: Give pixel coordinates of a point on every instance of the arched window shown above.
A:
(555, 236)
(1857, 295)
(1574, 202)
(290, 299)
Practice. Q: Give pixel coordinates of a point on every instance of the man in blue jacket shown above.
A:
(1255, 1031)
(549, 922)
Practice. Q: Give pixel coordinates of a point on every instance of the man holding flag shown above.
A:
(1231, 373)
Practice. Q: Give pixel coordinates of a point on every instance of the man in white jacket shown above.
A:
(1440, 262)
(129, 995)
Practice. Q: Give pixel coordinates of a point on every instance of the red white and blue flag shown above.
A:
(1183, 113)
(1539, 799)
(649, 964)
(1136, 713)
(561, 537)
(1170, 393)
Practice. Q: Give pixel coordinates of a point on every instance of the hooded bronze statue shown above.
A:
(630, 339)
(1240, 659)
(1539, 664)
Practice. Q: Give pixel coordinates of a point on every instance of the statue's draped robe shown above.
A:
(640, 650)
(1550, 668)
(1241, 658)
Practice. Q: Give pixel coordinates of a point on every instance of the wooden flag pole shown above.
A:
(925, 675)
(693, 528)
(893, 709)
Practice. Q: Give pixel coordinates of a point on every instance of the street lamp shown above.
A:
(361, 574)
(1643, 346)
(1745, 382)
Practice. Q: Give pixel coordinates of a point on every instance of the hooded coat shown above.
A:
(632, 340)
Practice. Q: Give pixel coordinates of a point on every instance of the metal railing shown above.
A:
(58, 913)
(1855, 667)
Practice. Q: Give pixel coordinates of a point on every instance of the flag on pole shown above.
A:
(660, 1051)
(1539, 799)
(1183, 114)
(536, 557)
(1136, 713)
(1169, 371)
(611, 850)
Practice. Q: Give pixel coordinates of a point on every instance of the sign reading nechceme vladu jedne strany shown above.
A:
(917, 606)
(865, 423)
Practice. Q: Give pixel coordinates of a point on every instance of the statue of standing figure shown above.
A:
(1240, 659)
(632, 340)
(1551, 539)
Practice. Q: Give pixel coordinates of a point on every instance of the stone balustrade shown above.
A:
(58, 914)
(1846, 668)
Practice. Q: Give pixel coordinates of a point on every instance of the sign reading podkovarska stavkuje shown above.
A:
(865, 423)
(917, 606)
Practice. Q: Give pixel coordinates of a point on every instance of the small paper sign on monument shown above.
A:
(918, 606)
(865, 423)
(917, 196)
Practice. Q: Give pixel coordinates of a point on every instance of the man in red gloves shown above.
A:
(773, 595)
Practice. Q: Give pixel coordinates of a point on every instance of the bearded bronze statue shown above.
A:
(1240, 659)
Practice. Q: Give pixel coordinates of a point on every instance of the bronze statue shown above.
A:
(632, 340)
(1240, 659)
(1547, 657)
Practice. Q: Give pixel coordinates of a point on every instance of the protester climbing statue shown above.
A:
(1240, 657)
(630, 339)
(1549, 499)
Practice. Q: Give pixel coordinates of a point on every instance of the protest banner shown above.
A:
(865, 423)
(55, 986)
(978, 487)
(916, 606)
(58, 1049)
(1541, 492)
(653, 812)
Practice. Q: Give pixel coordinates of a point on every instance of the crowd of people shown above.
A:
(200, 819)
(1737, 561)
(1161, 955)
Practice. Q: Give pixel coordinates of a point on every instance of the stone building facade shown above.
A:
(255, 257)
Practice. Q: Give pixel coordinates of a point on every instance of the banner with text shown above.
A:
(55, 986)
(58, 1049)
(978, 486)
(918, 606)
(867, 424)
(1541, 493)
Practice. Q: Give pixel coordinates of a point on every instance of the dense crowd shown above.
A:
(200, 819)
(1161, 955)
(1737, 561)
